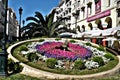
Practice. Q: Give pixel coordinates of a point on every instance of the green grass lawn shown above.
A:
(19, 77)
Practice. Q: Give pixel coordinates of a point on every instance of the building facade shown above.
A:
(86, 15)
(11, 25)
(118, 12)
(93, 20)
(2, 17)
(11, 29)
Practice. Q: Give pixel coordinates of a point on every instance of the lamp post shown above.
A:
(23, 22)
(3, 54)
(20, 13)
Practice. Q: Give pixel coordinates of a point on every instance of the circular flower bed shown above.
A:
(66, 54)
(59, 50)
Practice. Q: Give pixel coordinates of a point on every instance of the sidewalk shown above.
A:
(27, 70)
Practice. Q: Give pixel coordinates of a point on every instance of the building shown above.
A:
(118, 12)
(88, 14)
(11, 29)
(2, 17)
(11, 25)
(90, 18)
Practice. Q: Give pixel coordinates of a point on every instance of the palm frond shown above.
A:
(32, 19)
(41, 18)
(32, 24)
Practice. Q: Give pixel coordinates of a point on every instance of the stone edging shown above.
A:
(27, 70)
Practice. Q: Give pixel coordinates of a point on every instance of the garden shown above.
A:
(65, 56)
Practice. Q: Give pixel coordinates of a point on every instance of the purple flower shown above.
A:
(54, 50)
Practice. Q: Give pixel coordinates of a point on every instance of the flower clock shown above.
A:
(60, 50)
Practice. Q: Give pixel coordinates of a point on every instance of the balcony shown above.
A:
(88, 1)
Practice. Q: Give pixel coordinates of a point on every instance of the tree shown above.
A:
(45, 27)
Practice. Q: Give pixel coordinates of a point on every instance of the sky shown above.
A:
(30, 6)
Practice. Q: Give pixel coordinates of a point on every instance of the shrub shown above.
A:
(32, 57)
(10, 65)
(79, 64)
(17, 67)
(109, 56)
(41, 40)
(72, 41)
(51, 62)
(88, 44)
(99, 60)
(101, 48)
(23, 48)
(14, 67)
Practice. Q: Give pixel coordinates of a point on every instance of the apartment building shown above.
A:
(118, 12)
(91, 18)
(2, 17)
(11, 25)
(11, 29)
(88, 14)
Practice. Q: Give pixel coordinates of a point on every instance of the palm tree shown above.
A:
(45, 27)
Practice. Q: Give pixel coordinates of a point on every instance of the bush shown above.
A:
(72, 41)
(101, 48)
(79, 64)
(14, 67)
(109, 56)
(10, 65)
(99, 60)
(88, 44)
(17, 67)
(32, 57)
(41, 40)
(51, 62)
(23, 48)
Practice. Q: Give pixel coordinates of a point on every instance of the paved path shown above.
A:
(27, 70)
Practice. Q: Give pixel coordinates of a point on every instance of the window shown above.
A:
(83, 10)
(118, 11)
(108, 2)
(89, 8)
(83, 1)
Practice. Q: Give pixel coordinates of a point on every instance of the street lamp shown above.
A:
(3, 54)
(23, 22)
(20, 13)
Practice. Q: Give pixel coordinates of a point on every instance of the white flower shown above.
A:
(24, 52)
(105, 59)
(44, 58)
(59, 62)
(91, 64)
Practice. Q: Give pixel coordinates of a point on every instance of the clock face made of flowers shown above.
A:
(60, 50)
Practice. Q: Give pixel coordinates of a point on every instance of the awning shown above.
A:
(66, 34)
(98, 33)
(110, 31)
(109, 39)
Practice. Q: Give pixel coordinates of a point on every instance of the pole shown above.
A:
(20, 13)
(20, 28)
(3, 54)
